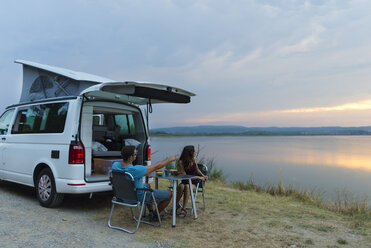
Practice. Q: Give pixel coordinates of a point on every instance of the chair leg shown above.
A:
(117, 227)
(158, 213)
(109, 218)
(203, 198)
(198, 185)
(143, 205)
(141, 213)
(195, 192)
(139, 220)
(203, 195)
(132, 214)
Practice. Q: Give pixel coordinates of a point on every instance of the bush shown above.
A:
(213, 173)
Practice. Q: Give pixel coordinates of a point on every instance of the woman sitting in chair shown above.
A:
(187, 165)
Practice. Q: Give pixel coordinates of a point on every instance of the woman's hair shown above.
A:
(127, 152)
(187, 156)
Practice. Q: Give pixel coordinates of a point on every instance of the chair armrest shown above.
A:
(203, 168)
(145, 189)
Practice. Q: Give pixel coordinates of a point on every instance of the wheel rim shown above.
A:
(45, 187)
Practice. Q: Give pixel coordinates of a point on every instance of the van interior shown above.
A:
(105, 129)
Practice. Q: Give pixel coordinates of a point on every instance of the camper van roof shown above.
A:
(79, 76)
(48, 82)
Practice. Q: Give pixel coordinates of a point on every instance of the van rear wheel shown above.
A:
(46, 191)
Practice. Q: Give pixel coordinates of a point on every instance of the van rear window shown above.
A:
(126, 123)
(44, 118)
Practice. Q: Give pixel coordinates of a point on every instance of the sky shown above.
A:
(249, 62)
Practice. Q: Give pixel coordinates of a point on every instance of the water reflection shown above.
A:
(326, 162)
(350, 158)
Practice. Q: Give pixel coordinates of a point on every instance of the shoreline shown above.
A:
(242, 135)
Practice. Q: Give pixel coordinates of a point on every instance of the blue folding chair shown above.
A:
(125, 194)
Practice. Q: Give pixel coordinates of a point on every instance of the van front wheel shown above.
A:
(46, 190)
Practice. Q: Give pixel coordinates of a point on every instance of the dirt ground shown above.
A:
(24, 223)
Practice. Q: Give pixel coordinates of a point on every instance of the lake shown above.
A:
(326, 163)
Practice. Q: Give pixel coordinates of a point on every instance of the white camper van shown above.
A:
(69, 127)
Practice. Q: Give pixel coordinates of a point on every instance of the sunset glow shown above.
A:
(363, 105)
(350, 114)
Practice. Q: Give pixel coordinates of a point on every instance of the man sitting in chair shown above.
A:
(129, 153)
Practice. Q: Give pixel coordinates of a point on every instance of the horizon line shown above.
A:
(265, 126)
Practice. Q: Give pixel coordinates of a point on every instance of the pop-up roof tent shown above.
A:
(45, 82)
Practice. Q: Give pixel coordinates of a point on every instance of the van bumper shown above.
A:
(80, 187)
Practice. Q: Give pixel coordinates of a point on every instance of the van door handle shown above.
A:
(3, 138)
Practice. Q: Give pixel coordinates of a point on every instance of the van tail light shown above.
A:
(76, 154)
(148, 153)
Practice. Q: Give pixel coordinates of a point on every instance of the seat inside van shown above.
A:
(99, 132)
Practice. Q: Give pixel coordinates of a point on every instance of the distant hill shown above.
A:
(202, 129)
(252, 131)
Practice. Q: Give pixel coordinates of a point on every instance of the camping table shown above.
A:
(175, 180)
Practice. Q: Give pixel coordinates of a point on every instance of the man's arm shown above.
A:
(159, 165)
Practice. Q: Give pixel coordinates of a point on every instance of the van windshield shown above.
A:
(5, 121)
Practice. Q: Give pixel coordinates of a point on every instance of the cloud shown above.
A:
(306, 44)
(362, 105)
(249, 57)
(350, 114)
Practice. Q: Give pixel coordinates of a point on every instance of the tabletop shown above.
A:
(172, 177)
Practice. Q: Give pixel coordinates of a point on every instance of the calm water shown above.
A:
(328, 163)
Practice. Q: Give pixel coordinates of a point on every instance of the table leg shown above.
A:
(175, 183)
(193, 199)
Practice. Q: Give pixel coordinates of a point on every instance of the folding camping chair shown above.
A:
(200, 186)
(124, 194)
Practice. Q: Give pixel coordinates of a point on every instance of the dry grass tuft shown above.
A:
(346, 203)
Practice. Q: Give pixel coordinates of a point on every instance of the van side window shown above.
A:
(126, 123)
(44, 118)
(5, 121)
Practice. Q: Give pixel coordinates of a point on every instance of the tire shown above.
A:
(46, 190)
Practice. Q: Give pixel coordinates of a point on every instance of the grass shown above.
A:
(247, 218)
(345, 203)
(309, 242)
(243, 214)
(342, 241)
